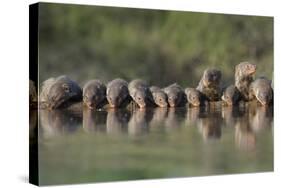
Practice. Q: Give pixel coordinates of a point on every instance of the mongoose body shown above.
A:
(193, 96)
(231, 95)
(94, 94)
(117, 93)
(159, 96)
(244, 76)
(261, 90)
(140, 93)
(209, 84)
(176, 96)
(59, 92)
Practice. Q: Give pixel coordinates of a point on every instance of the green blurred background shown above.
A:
(162, 47)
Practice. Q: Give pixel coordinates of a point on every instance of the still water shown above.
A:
(92, 146)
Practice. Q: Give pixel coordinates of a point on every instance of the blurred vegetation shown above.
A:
(87, 42)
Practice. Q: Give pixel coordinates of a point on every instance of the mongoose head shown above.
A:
(245, 69)
(264, 95)
(59, 93)
(94, 92)
(174, 94)
(231, 95)
(140, 97)
(116, 94)
(193, 96)
(261, 88)
(160, 98)
(211, 77)
(174, 98)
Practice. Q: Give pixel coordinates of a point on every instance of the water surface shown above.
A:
(92, 146)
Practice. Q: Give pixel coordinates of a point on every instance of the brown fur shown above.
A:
(209, 84)
(231, 95)
(117, 93)
(176, 96)
(193, 96)
(59, 93)
(140, 93)
(159, 96)
(262, 91)
(244, 76)
(94, 94)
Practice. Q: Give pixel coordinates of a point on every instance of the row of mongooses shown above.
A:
(60, 92)
(246, 88)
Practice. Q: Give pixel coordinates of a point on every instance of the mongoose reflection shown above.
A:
(117, 121)
(261, 118)
(57, 122)
(209, 124)
(94, 121)
(245, 138)
(139, 122)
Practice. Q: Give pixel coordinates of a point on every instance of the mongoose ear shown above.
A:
(237, 72)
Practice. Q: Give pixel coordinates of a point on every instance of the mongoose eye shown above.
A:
(66, 88)
(160, 99)
(139, 98)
